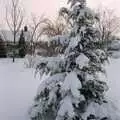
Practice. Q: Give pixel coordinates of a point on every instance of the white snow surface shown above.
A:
(18, 86)
(66, 107)
(82, 60)
(113, 76)
(73, 84)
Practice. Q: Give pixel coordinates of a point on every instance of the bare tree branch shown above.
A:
(109, 23)
(14, 19)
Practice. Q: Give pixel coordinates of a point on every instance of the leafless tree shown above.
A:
(42, 27)
(55, 27)
(35, 30)
(14, 19)
(35, 27)
(109, 23)
(52, 28)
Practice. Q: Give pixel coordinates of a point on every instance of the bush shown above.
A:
(2, 48)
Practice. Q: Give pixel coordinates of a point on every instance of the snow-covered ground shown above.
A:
(18, 87)
(17, 90)
(113, 76)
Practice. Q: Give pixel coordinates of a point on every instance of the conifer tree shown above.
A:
(2, 48)
(22, 45)
(74, 90)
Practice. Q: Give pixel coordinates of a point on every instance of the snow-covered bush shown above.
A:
(35, 61)
(74, 90)
(31, 61)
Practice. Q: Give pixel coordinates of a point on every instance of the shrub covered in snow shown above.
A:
(32, 61)
(73, 90)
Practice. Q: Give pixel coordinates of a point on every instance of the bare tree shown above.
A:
(55, 27)
(35, 27)
(35, 30)
(109, 23)
(52, 28)
(42, 27)
(14, 19)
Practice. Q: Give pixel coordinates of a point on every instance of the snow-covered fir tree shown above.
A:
(73, 90)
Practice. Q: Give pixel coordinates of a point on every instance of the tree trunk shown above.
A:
(14, 48)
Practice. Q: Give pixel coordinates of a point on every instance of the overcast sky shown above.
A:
(50, 7)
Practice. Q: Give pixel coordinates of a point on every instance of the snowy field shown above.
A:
(113, 76)
(18, 87)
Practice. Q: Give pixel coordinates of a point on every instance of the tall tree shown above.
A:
(74, 89)
(109, 27)
(22, 45)
(55, 27)
(109, 23)
(14, 19)
(35, 28)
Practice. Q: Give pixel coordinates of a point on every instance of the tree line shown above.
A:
(41, 28)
